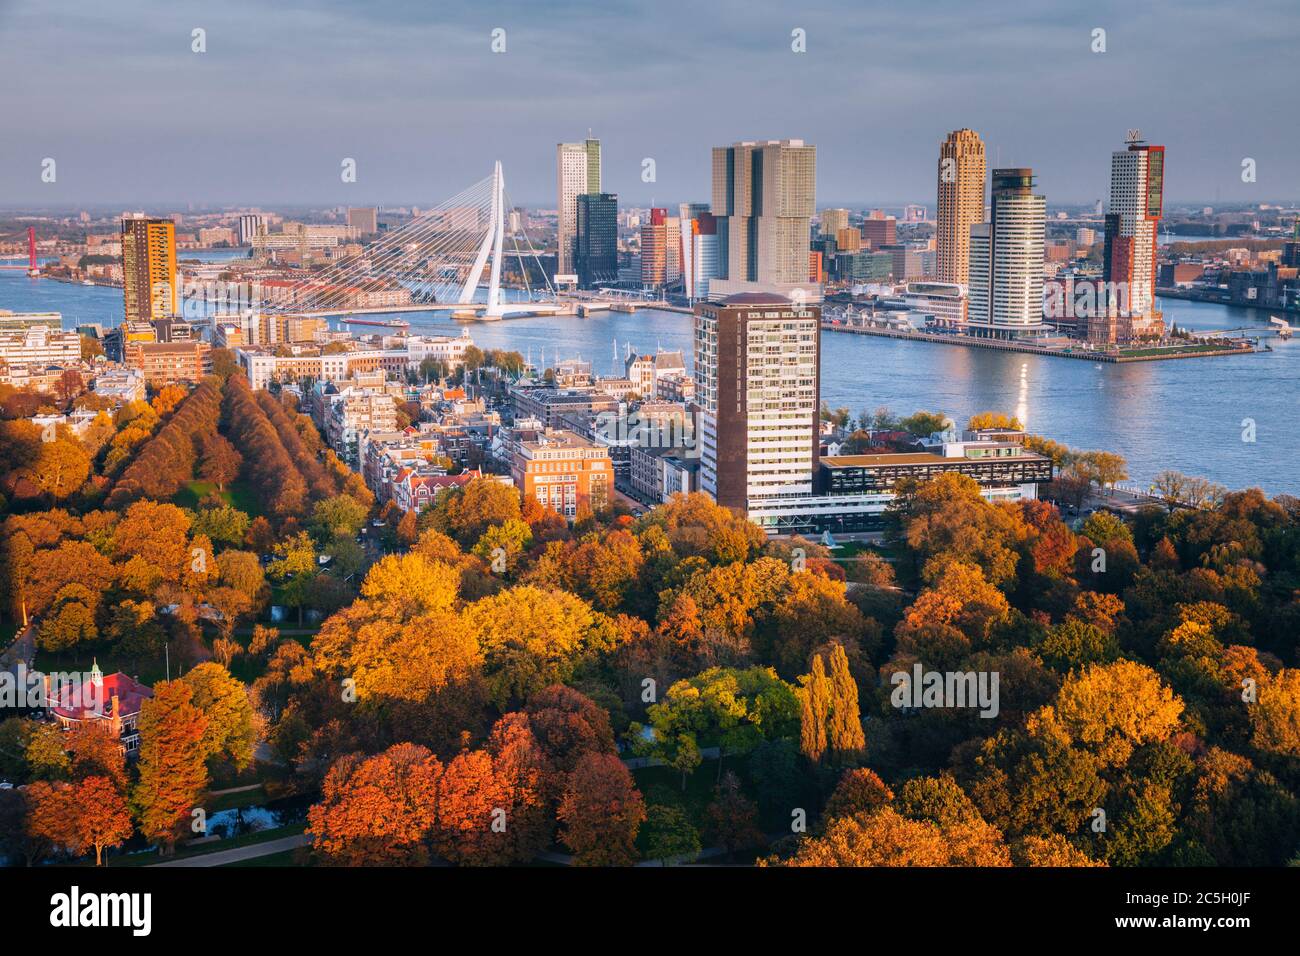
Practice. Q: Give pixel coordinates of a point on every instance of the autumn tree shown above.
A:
(220, 462)
(732, 817)
(530, 639)
(172, 771)
(102, 818)
(232, 727)
(378, 811)
(601, 812)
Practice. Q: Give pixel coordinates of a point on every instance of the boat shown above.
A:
(379, 323)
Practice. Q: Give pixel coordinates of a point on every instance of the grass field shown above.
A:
(237, 493)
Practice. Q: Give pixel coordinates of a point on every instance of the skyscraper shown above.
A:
(764, 196)
(577, 170)
(149, 269)
(654, 250)
(1006, 259)
(757, 365)
(1137, 180)
(596, 246)
(961, 202)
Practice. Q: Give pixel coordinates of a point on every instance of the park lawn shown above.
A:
(110, 662)
(663, 785)
(230, 801)
(283, 858)
(237, 493)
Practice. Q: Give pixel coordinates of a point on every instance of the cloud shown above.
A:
(413, 92)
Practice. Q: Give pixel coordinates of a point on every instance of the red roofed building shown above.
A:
(114, 701)
(413, 491)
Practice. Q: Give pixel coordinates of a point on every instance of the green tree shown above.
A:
(668, 835)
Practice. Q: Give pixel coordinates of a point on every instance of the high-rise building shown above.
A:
(764, 196)
(364, 220)
(848, 239)
(654, 250)
(1137, 182)
(833, 220)
(577, 170)
(699, 256)
(699, 253)
(596, 250)
(1006, 258)
(961, 202)
(757, 364)
(149, 285)
(879, 231)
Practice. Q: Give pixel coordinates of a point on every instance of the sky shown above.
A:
(413, 92)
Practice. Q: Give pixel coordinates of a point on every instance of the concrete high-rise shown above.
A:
(1006, 259)
(150, 290)
(961, 203)
(364, 219)
(1137, 181)
(577, 171)
(757, 370)
(250, 224)
(764, 197)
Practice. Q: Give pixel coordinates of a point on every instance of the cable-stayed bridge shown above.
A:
(438, 260)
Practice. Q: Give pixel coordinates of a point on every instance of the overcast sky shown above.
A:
(412, 91)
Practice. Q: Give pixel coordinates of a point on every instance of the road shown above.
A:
(22, 649)
(240, 853)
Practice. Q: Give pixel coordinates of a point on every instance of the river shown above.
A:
(1186, 415)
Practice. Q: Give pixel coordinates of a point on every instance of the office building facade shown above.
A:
(764, 197)
(596, 244)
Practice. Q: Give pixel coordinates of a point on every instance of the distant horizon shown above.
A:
(158, 207)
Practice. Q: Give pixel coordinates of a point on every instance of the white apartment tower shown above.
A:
(1136, 203)
(757, 364)
(577, 171)
(1006, 259)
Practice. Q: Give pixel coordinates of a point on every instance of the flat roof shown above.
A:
(916, 458)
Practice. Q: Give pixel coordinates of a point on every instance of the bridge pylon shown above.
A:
(491, 245)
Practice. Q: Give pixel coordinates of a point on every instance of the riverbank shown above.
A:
(1221, 298)
(1154, 354)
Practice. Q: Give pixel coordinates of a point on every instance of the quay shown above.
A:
(1087, 355)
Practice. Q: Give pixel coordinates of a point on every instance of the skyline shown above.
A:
(876, 108)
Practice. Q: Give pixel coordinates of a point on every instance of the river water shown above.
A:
(1186, 415)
